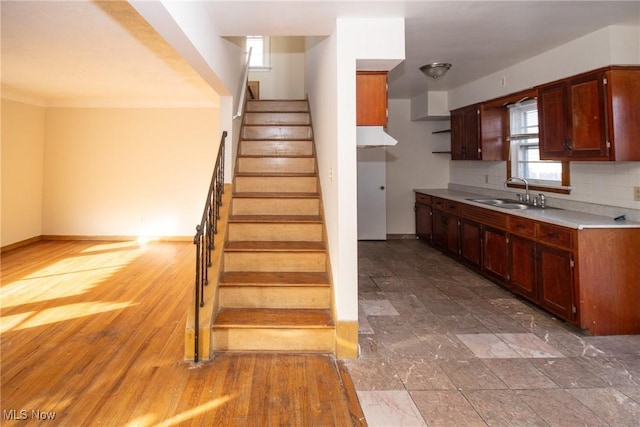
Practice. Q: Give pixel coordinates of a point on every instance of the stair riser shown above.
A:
(275, 148)
(276, 132)
(246, 184)
(272, 118)
(298, 340)
(276, 165)
(280, 106)
(275, 261)
(271, 206)
(261, 232)
(293, 297)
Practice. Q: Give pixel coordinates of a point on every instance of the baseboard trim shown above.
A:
(401, 236)
(20, 244)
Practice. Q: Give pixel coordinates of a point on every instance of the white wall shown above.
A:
(190, 31)
(411, 163)
(285, 78)
(22, 142)
(127, 172)
(331, 85)
(602, 183)
(610, 45)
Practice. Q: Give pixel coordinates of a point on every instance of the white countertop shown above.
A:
(566, 218)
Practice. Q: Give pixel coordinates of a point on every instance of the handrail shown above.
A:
(204, 238)
(242, 87)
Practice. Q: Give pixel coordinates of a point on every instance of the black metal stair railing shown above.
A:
(204, 239)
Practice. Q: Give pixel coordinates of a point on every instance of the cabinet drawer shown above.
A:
(423, 198)
(484, 216)
(439, 203)
(522, 226)
(555, 235)
(452, 207)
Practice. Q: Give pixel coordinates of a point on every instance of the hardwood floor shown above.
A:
(94, 332)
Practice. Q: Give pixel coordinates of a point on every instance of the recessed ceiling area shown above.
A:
(103, 52)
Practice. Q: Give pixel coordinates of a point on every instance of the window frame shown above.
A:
(266, 53)
(504, 102)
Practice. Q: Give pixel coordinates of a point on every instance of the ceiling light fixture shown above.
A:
(436, 69)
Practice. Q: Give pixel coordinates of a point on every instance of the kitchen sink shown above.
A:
(505, 203)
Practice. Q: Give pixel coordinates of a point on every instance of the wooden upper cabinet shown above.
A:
(477, 133)
(371, 98)
(593, 116)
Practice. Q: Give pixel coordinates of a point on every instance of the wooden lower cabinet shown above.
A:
(471, 243)
(588, 277)
(523, 268)
(446, 234)
(495, 251)
(555, 281)
(424, 223)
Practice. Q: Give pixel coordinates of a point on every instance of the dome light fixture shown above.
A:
(435, 69)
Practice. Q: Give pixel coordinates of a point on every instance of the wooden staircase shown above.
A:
(274, 288)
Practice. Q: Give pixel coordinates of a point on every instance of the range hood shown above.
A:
(373, 136)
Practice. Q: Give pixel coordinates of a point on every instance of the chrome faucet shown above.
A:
(527, 197)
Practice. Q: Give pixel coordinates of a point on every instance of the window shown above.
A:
(259, 46)
(524, 149)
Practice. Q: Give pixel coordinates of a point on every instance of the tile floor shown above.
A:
(442, 346)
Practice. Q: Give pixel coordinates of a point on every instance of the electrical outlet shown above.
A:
(636, 194)
(486, 179)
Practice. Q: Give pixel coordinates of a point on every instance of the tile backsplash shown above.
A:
(603, 188)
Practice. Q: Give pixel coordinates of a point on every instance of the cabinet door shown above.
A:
(495, 262)
(471, 119)
(553, 122)
(457, 134)
(587, 106)
(424, 223)
(452, 235)
(522, 273)
(439, 229)
(371, 98)
(555, 277)
(471, 243)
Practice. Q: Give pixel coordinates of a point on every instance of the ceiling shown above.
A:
(104, 53)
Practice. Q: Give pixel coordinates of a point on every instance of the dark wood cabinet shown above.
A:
(471, 243)
(495, 254)
(424, 222)
(522, 273)
(446, 226)
(371, 98)
(465, 133)
(555, 281)
(478, 133)
(587, 277)
(592, 116)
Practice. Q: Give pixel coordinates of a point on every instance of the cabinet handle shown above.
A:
(520, 227)
(553, 235)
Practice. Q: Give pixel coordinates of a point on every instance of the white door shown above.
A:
(372, 196)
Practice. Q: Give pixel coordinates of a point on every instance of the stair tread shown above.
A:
(274, 246)
(275, 218)
(273, 318)
(275, 195)
(276, 156)
(277, 174)
(257, 278)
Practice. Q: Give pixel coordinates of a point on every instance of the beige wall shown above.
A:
(23, 136)
(131, 172)
(105, 171)
(285, 79)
